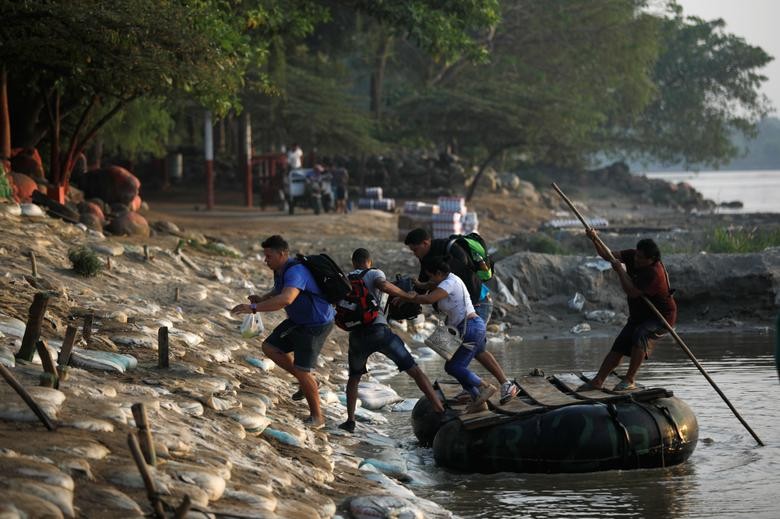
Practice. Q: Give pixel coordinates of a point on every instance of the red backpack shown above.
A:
(359, 307)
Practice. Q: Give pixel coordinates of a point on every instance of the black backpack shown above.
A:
(329, 277)
(359, 307)
(407, 309)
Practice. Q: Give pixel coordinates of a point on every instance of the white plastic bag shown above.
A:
(577, 302)
(252, 326)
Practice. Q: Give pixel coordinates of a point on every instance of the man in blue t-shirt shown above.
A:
(309, 321)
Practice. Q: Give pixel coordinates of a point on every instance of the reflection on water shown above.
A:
(727, 476)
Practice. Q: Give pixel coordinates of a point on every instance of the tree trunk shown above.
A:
(378, 75)
(5, 118)
(495, 153)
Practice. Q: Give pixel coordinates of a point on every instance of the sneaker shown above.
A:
(625, 385)
(348, 426)
(312, 424)
(298, 395)
(509, 390)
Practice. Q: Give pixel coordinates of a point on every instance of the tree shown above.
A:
(559, 71)
(68, 61)
(708, 90)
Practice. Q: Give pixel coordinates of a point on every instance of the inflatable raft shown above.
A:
(551, 427)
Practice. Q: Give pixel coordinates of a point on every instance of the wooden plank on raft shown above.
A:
(449, 389)
(572, 381)
(514, 407)
(543, 392)
(611, 381)
(483, 419)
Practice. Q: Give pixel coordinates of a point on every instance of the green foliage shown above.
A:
(85, 261)
(708, 90)
(541, 242)
(143, 127)
(742, 240)
(5, 188)
(558, 72)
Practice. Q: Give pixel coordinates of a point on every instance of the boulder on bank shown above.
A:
(709, 286)
(27, 161)
(112, 184)
(25, 186)
(129, 223)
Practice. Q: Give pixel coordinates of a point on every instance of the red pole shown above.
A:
(208, 147)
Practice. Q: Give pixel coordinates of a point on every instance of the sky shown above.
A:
(754, 20)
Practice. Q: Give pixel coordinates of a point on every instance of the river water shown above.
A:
(758, 190)
(727, 476)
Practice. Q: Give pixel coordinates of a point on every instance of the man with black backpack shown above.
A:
(309, 320)
(361, 315)
(461, 264)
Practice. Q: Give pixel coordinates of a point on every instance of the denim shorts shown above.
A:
(305, 342)
(377, 338)
(638, 334)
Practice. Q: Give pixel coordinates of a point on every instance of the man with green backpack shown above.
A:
(468, 259)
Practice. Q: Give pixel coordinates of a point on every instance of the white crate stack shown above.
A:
(372, 199)
(448, 216)
(454, 217)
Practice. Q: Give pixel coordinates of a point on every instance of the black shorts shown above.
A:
(640, 335)
(305, 342)
(377, 338)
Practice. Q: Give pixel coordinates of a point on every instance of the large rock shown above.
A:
(25, 185)
(707, 285)
(132, 224)
(112, 184)
(27, 161)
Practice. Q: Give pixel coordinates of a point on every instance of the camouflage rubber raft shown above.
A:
(551, 427)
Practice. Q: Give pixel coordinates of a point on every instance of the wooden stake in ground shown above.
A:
(145, 433)
(31, 403)
(669, 328)
(176, 296)
(63, 358)
(33, 330)
(184, 507)
(162, 348)
(33, 265)
(86, 332)
(147, 257)
(151, 488)
(52, 380)
(108, 263)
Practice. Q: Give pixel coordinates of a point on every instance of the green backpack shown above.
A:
(477, 249)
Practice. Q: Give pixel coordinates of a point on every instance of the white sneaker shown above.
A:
(509, 390)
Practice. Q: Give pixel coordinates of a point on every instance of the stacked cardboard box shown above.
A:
(414, 215)
(372, 199)
(449, 216)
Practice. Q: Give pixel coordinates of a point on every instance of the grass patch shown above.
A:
(85, 262)
(742, 240)
(540, 242)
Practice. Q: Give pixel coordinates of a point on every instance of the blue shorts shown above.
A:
(305, 342)
(377, 338)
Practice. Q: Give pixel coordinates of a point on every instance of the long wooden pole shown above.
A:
(31, 403)
(666, 324)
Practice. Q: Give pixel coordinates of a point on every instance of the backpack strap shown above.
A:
(299, 261)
